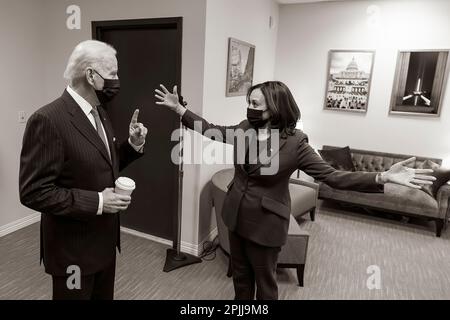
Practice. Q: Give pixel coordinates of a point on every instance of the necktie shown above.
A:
(100, 132)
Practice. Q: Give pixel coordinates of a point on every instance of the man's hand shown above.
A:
(113, 202)
(138, 131)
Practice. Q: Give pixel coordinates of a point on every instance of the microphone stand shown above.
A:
(175, 258)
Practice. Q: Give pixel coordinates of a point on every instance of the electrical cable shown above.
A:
(209, 249)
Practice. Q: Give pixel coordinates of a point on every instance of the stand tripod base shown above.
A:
(175, 260)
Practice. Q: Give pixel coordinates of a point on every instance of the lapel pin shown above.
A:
(114, 139)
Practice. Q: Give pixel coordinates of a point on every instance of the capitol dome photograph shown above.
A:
(349, 80)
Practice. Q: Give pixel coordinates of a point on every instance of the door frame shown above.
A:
(161, 23)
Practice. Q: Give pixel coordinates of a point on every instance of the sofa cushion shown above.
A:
(340, 158)
(395, 197)
(442, 177)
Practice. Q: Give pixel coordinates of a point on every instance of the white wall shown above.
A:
(247, 21)
(21, 65)
(308, 31)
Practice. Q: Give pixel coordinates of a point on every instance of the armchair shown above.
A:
(304, 197)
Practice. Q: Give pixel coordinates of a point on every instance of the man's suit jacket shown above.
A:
(63, 166)
(258, 206)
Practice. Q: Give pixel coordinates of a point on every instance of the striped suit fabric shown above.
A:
(63, 166)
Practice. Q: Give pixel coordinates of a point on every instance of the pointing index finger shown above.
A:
(134, 119)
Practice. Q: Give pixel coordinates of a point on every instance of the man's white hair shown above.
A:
(90, 53)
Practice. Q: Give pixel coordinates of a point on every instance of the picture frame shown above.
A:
(419, 82)
(349, 78)
(240, 67)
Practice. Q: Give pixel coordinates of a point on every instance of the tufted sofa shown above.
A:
(395, 199)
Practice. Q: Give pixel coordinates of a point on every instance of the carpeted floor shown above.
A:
(414, 264)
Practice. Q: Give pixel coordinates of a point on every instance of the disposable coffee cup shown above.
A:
(125, 186)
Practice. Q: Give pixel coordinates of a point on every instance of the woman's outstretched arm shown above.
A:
(193, 121)
(310, 162)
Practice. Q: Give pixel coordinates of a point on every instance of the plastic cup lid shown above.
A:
(125, 183)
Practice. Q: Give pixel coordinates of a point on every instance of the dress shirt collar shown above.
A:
(84, 105)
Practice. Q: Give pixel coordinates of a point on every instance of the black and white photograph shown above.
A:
(127, 174)
(348, 81)
(241, 64)
(420, 82)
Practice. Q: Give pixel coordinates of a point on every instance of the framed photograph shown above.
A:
(348, 80)
(419, 82)
(241, 62)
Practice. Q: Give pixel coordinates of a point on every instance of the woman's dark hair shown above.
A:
(281, 104)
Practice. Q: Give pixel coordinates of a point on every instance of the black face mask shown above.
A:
(255, 117)
(110, 89)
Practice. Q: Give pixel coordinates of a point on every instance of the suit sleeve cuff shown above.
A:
(100, 204)
(139, 149)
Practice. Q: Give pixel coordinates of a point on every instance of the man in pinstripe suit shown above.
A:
(69, 163)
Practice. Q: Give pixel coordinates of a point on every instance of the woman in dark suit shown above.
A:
(257, 206)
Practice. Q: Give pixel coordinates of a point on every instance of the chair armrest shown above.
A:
(313, 185)
(443, 198)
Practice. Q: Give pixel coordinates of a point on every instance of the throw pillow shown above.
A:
(442, 176)
(340, 158)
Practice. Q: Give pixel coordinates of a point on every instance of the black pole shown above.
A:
(175, 258)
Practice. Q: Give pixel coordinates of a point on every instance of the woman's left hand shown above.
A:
(399, 173)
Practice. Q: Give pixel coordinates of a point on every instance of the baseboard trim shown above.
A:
(186, 247)
(19, 224)
(146, 236)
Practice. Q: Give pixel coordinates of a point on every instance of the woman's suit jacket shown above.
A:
(258, 206)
